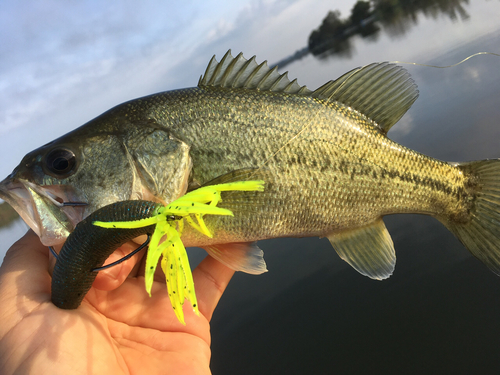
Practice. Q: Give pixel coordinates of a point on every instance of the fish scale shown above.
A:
(329, 168)
(335, 147)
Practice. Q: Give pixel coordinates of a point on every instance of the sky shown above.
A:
(63, 63)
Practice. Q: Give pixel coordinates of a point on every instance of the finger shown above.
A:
(24, 271)
(210, 279)
(111, 278)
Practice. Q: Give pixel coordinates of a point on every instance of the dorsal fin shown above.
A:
(381, 91)
(238, 72)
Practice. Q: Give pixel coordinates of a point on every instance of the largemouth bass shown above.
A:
(329, 168)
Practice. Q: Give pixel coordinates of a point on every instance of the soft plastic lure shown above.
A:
(168, 222)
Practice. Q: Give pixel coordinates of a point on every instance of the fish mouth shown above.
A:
(52, 211)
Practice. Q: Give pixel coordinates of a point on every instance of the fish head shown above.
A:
(59, 184)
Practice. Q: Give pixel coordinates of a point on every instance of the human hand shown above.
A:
(118, 329)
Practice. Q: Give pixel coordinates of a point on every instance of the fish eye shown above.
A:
(60, 162)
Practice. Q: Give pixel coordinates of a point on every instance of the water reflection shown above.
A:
(398, 17)
(7, 215)
(334, 37)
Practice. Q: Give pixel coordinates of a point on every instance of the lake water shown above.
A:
(438, 313)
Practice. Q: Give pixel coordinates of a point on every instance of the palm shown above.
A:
(118, 331)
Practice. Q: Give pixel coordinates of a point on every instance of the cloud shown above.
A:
(63, 63)
(403, 127)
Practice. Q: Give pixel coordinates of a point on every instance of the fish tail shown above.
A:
(480, 231)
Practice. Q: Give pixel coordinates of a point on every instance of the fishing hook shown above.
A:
(125, 257)
(53, 252)
(128, 256)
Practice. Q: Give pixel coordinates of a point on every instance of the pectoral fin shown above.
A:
(162, 162)
(369, 249)
(244, 256)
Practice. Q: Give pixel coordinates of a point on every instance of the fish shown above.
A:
(330, 170)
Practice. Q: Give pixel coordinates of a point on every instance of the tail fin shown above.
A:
(481, 234)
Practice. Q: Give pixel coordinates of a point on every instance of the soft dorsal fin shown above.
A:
(382, 92)
(238, 72)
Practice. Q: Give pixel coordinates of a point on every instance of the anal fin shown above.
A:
(368, 249)
(239, 256)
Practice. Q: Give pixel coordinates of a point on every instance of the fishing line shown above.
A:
(447, 66)
(353, 73)
(74, 204)
(306, 126)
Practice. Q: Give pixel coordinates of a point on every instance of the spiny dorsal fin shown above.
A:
(381, 91)
(238, 72)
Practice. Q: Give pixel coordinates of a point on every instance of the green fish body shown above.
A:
(328, 166)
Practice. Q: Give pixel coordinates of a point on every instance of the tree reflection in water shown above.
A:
(368, 18)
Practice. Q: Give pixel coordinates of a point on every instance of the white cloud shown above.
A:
(403, 127)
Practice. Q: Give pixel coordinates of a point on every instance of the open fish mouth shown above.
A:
(51, 211)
